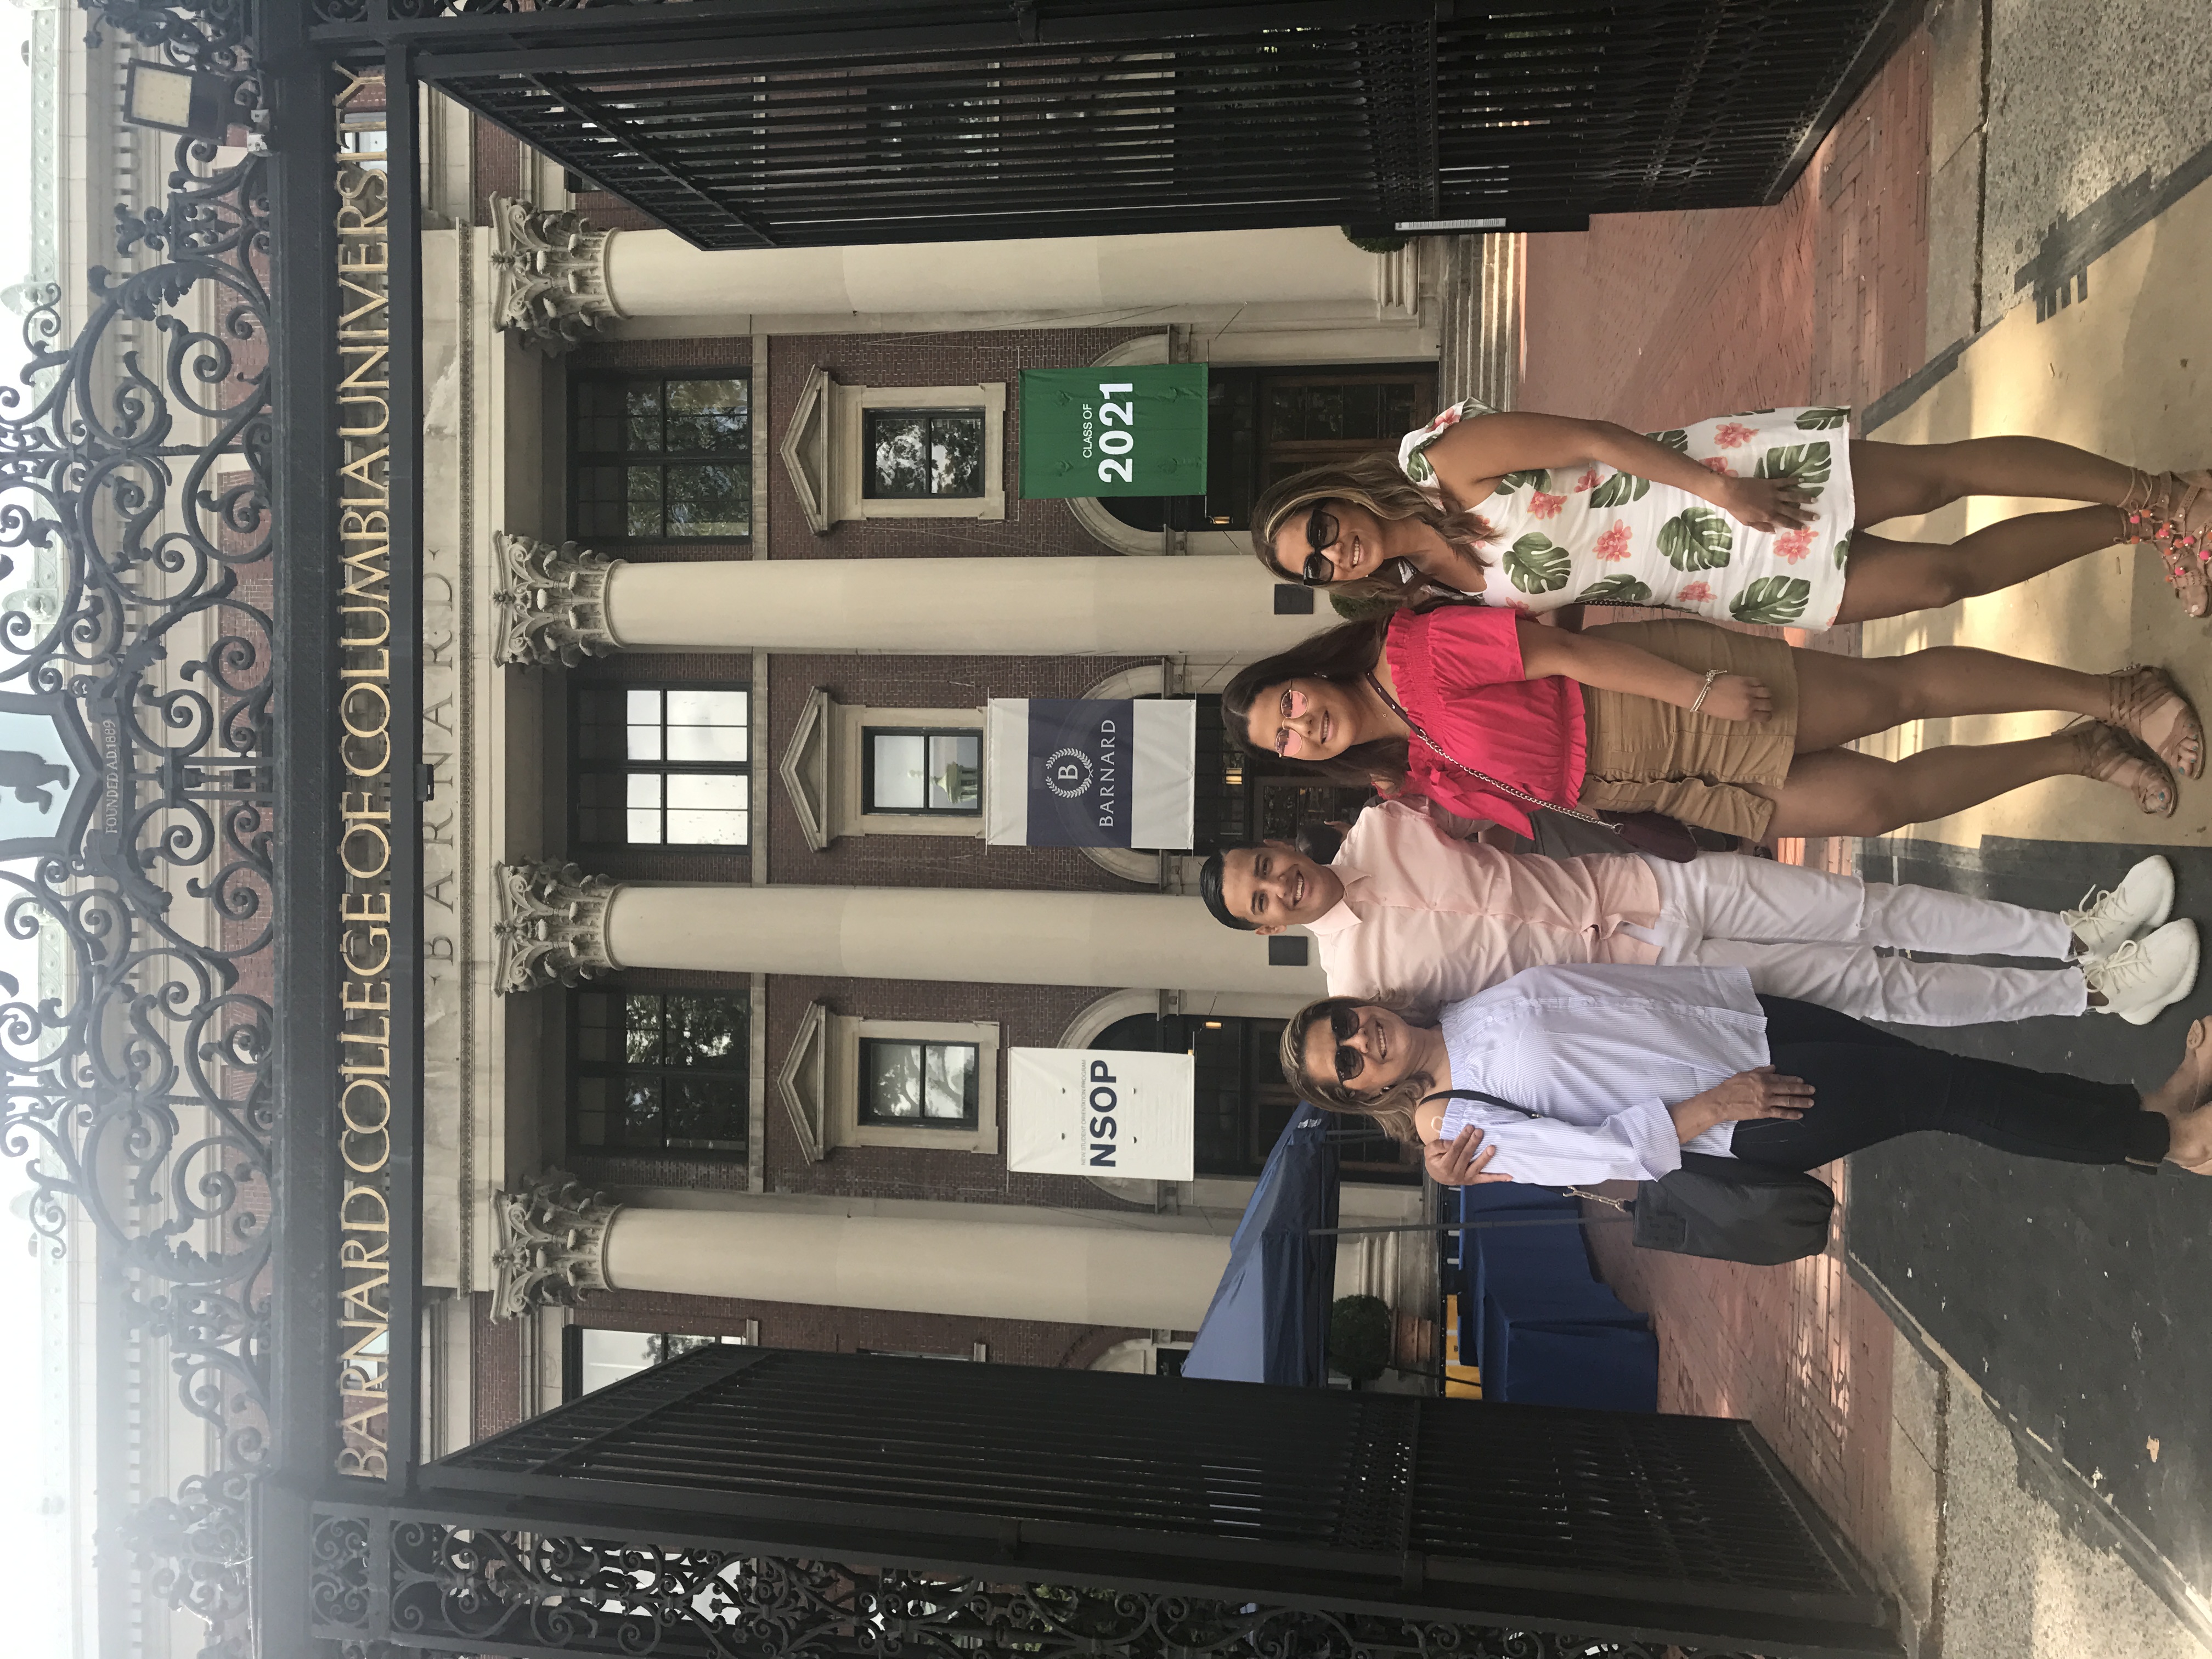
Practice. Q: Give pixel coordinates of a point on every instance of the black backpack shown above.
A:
(1723, 1208)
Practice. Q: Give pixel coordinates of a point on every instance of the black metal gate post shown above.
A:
(747, 1500)
(781, 125)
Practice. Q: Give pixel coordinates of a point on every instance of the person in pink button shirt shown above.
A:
(1408, 914)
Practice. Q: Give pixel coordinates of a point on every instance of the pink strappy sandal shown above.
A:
(2173, 512)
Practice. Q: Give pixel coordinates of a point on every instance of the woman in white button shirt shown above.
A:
(1613, 1070)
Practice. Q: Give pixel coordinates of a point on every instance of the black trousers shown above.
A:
(1871, 1087)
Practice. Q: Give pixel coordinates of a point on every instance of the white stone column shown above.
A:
(656, 273)
(562, 279)
(561, 1243)
(564, 603)
(560, 926)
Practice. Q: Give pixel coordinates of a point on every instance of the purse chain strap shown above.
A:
(1620, 1204)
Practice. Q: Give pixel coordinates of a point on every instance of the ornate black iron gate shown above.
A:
(185, 1096)
(740, 125)
(725, 1503)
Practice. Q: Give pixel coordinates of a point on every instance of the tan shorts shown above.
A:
(1649, 757)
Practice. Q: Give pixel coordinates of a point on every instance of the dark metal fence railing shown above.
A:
(1291, 129)
(960, 121)
(1444, 1522)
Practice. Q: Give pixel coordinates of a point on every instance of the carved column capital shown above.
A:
(552, 271)
(552, 1245)
(553, 601)
(552, 925)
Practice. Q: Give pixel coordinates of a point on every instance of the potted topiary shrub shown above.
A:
(1374, 244)
(1360, 1330)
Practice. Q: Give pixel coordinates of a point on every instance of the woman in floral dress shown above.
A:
(1758, 517)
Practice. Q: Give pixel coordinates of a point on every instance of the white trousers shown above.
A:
(1806, 934)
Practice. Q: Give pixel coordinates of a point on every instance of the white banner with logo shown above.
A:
(1092, 1112)
(1091, 772)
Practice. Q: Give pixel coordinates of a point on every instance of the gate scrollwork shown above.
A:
(137, 794)
(452, 1586)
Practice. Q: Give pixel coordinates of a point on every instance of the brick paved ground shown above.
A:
(1656, 318)
(1800, 1350)
(1652, 320)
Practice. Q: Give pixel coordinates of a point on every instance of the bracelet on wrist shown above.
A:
(1706, 690)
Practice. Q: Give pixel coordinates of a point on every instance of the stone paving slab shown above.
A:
(1989, 143)
(2075, 1300)
(2077, 1477)
(2018, 1584)
(2089, 106)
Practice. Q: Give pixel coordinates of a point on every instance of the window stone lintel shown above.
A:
(821, 450)
(802, 1082)
(805, 449)
(804, 769)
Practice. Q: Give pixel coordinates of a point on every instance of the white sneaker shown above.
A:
(2143, 901)
(2142, 975)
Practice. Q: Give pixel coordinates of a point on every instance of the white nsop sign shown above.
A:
(1080, 1111)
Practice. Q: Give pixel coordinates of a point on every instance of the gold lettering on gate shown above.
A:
(361, 1119)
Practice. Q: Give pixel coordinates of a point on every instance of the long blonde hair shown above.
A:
(1392, 1109)
(1376, 484)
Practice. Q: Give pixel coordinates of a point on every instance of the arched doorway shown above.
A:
(1240, 1098)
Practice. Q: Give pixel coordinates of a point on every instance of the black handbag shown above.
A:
(1733, 1211)
(1722, 1208)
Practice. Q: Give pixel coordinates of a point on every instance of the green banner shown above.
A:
(1138, 429)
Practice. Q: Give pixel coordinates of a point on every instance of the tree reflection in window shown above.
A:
(663, 1071)
(918, 1084)
(662, 459)
(919, 454)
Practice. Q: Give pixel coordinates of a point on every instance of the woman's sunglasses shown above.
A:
(1320, 534)
(1343, 1024)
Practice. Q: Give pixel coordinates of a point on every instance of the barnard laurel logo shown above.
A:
(1068, 774)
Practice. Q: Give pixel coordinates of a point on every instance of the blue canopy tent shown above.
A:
(1268, 1322)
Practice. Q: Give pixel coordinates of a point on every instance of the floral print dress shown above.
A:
(1595, 535)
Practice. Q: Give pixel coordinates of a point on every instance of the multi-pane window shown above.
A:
(663, 766)
(922, 453)
(921, 770)
(911, 1084)
(660, 1070)
(661, 459)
